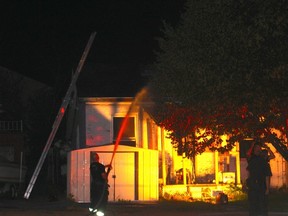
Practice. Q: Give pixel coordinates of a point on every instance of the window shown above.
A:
(128, 136)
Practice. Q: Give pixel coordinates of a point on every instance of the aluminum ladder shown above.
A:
(59, 117)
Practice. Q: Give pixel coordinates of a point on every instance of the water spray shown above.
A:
(139, 97)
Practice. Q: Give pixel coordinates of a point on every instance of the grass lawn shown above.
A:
(278, 202)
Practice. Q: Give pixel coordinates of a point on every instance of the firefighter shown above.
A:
(256, 182)
(98, 186)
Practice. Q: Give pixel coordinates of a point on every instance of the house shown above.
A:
(146, 166)
(15, 92)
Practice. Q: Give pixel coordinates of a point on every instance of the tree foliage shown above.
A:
(223, 69)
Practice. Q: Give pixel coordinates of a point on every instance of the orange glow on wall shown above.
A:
(135, 171)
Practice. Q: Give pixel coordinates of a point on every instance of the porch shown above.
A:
(202, 192)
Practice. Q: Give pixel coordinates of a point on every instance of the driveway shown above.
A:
(40, 207)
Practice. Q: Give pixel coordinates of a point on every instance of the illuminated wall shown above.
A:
(205, 167)
(99, 121)
(135, 171)
(210, 167)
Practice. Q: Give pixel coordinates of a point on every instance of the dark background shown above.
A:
(44, 40)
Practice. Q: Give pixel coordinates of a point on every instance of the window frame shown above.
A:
(128, 140)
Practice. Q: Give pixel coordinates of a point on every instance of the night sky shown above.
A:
(44, 40)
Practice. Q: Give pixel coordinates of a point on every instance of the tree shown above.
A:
(223, 70)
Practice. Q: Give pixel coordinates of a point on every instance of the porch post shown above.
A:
(164, 173)
(216, 156)
(238, 169)
(184, 169)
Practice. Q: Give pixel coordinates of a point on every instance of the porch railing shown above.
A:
(11, 126)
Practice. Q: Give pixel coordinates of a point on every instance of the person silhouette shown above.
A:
(257, 171)
(99, 185)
